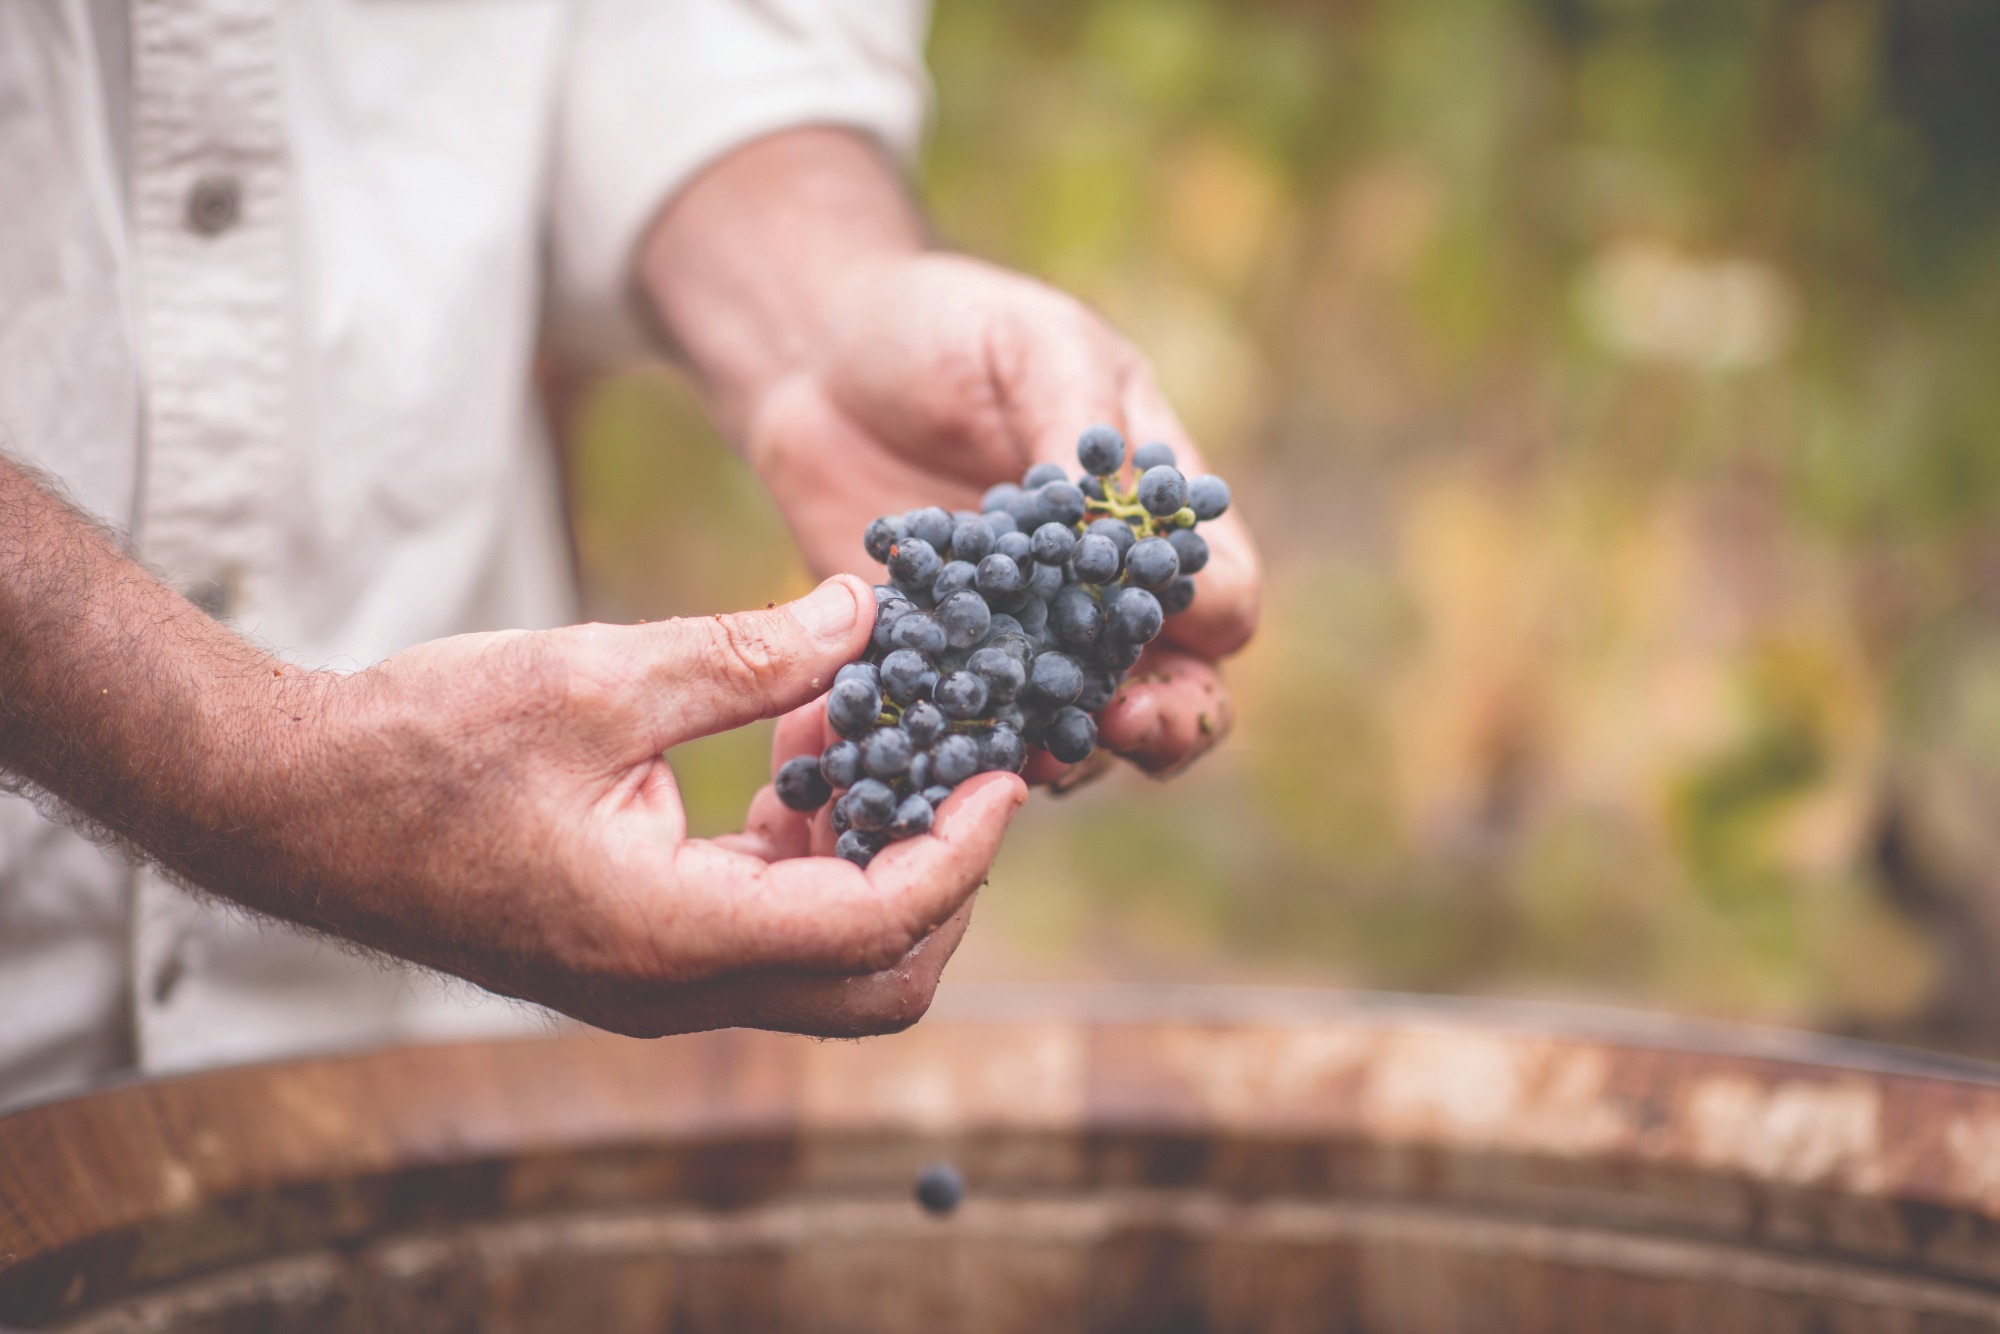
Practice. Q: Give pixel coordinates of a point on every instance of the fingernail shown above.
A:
(827, 612)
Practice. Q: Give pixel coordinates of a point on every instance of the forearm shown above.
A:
(120, 697)
(746, 267)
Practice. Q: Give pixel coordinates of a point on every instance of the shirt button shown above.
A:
(214, 205)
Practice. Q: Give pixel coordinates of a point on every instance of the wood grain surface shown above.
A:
(1137, 1160)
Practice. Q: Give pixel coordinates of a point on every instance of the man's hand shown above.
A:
(492, 805)
(863, 375)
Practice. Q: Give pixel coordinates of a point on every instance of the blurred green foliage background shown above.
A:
(1614, 385)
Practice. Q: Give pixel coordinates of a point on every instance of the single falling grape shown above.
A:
(940, 1189)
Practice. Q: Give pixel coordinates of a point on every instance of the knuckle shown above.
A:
(749, 650)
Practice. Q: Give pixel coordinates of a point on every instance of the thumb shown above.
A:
(713, 673)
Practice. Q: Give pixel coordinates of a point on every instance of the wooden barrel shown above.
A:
(1177, 1161)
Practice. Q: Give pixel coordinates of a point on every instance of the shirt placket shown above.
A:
(209, 204)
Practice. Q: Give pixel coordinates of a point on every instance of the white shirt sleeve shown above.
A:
(658, 89)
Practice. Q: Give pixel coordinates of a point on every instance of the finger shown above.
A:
(886, 1001)
(1228, 590)
(771, 829)
(737, 912)
(803, 731)
(1055, 380)
(1169, 712)
(714, 673)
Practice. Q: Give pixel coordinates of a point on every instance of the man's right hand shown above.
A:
(495, 806)
(515, 783)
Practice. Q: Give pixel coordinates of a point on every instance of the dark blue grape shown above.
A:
(1191, 547)
(1099, 688)
(800, 784)
(924, 721)
(954, 759)
(1026, 510)
(1053, 543)
(885, 753)
(913, 563)
(1117, 654)
(1000, 573)
(965, 618)
(913, 817)
(837, 817)
(936, 793)
(1062, 503)
(1117, 531)
(883, 534)
(930, 524)
(852, 707)
(940, 1188)
(1072, 735)
(886, 617)
(1034, 614)
(1002, 672)
(1002, 523)
(1101, 450)
(1043, 581)
(996, 497)
(1135, 616)
(859, 671)
(1016, 643)
(955, 576)
(1002, 624)
(1017, 547)
(920, 770)
(887, 593)
(1041, 475)
(840, 763)
(972, 539)
(920, 632)
(1152, 563)
(1157, 454)
(1176, 597)
(1096, 560)
(871, 804)
(961, 695)
(1011, 715)
(857, 847)
(1208, 496)
(1003, 749)
(1162, 490)
(902, 675)
(1075, 616)
(1092, 488)
(1055, 677)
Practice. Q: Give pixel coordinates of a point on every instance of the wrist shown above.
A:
(748, 268)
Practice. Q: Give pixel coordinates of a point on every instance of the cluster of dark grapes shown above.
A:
(1003, 629)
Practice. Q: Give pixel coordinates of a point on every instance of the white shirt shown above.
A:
(272, 273)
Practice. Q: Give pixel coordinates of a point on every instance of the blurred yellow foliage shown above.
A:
(1611, 386)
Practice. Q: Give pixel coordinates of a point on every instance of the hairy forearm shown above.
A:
(121, 698)
(745, 267)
